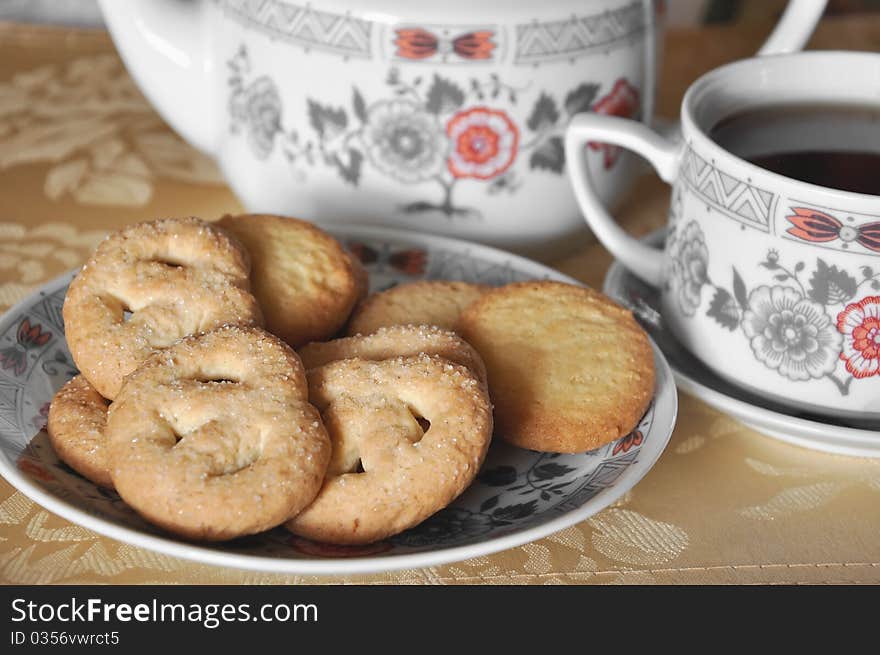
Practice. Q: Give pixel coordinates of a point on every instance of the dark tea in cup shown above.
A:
(835, 146)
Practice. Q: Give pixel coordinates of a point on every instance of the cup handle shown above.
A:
(644, 261)
(794, 27)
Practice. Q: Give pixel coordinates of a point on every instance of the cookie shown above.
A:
(77, 418)
(569, 370)
(148, 285)
(426, 302)
(414, 430)
(396, 341)
(361, 278)
(306, 283)
(214, 438)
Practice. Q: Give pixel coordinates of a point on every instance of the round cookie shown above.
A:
(406, 473)
(569, 370)
(305, 281)
(77, 418)
(214, 438)
(426, 302)
(146, 286)
(396, 341)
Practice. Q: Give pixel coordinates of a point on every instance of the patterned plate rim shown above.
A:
(812, 434)
(665, 405)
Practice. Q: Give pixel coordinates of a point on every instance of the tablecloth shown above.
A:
(81, 152)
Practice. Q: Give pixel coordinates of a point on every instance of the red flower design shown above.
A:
(474, 45)
(411, 262)
(418, 43)
(415, 43)
(622, 100)
(484, 143)
(819, 227)
(15, 358)
(39, 421)
(28, 336)
(634, 438)
(859, 323)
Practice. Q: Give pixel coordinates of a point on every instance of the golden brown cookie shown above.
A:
(214, 438)
(395, 473)
(569, 370)
(426, 302)
(148, 285)
(396, 341)
(307, 284)
(77, 418)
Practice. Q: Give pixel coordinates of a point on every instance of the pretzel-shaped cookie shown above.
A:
(396, 341)
(214, 438)
(174, 277)
(77, 418)
(372, 411)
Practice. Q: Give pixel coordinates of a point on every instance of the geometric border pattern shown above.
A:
(305, 26)
(570, 38)
(343, 34)
(736, 198)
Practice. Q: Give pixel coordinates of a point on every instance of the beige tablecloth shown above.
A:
(81, 152)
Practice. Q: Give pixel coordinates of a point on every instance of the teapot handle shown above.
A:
(165, 46)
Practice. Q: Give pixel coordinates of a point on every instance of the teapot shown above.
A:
(443, 117)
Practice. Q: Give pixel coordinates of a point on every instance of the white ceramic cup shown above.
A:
(446, 117)
(772, 282)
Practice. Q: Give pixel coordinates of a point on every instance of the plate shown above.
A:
(519, 495)
(856, 438)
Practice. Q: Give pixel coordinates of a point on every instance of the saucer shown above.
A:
(518, 496)
(845, 437)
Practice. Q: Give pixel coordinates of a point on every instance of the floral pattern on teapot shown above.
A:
(431, 130)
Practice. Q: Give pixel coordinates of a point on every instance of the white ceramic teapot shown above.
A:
(446, 117)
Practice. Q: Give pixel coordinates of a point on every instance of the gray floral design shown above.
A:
(258, 108)
(793, 323)
(404, 141)
(790, 333)
(427, 130)
(689, 260)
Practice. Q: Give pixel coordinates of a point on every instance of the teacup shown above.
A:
(771, 281)
(445, 117)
